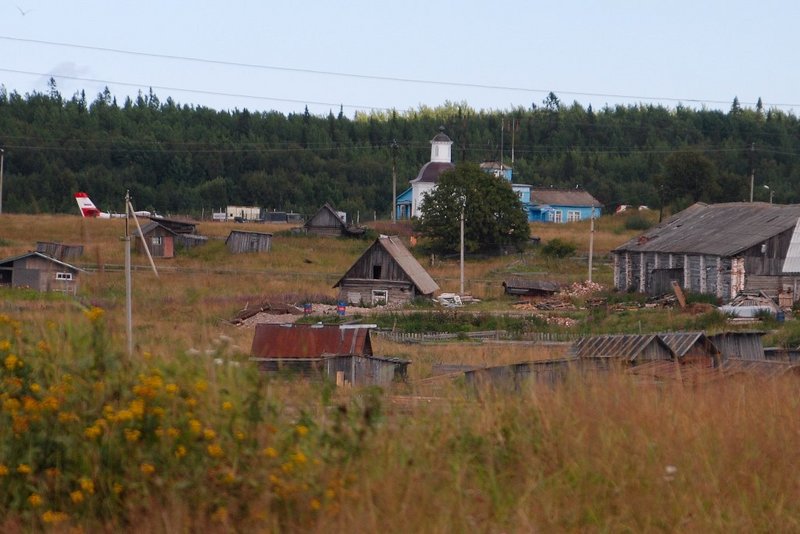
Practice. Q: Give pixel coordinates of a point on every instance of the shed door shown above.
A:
(662, 280)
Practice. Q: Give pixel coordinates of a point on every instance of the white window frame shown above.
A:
(573, 215)
(156, 240)
(558, 216)
(380, 296)
(66, 277)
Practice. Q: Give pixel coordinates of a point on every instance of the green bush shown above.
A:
(637, 222)
(558, 248)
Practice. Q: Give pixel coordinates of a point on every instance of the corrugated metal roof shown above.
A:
(792, 262)
(309, 341)
(716, 229)
(564, 197)
(408, 263)
(622, 346)
(45, 256)
(682, 342)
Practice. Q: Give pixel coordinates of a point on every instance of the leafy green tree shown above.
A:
(493, 215)
(688, 177)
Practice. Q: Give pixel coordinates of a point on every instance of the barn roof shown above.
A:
(564, 197)
(622, 346)
(681, 342)
(716, 229)
(407, 262)
(309, 341)
(329, 208)
(44, 256)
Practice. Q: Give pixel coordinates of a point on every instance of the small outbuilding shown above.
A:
(328, 222)
(628, 349)
(40, 272)
(239, 242)
(162, 240)
(386, 273)
(59, 251)
(337, 352)
(523, 287)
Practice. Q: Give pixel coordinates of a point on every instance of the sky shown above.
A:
(373, 55)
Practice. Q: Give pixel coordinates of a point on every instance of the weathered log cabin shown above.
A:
(328, 222)
(40, 272)
(717, 249)
(386, 273)
(239, 241)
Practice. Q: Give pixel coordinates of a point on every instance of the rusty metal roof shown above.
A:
(622, 346)
(716, 229)
(309, 341)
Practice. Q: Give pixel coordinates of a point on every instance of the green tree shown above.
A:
(493, 215)
(688, 177)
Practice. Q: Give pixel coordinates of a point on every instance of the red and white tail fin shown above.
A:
(87, 207)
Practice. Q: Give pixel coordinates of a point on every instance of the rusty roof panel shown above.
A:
(309, 341)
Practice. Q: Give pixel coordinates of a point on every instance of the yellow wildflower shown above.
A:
(117, 488)
(215, 450)
(158, 411)
(330, 494)
(137, 408)
(180, 452)
(87, 485)
(147, 469)
(227, 406)
(92, 432)
(5, 344)
(50, 403)
(132, 435)
(11, 362)
(220, 515)
(122, 415)
(3, 470)
(23, 469)
(54, 517)
(195, 426)
(94, 314)
(173, 432)
(191, 402)
(270, 452)
(76, 496)
(200, 385)
(67, 417)
(239, 435)
(35, 500)
(315, 504)
(35, 387)
(43, 346)
(209, 434)
(299, 458)
(11, 405)
(172, 389)
(301, 430)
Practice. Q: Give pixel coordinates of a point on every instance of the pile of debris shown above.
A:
(581, 289)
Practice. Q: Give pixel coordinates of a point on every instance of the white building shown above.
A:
(441, 161)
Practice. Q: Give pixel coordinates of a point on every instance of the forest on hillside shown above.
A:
(192, 159)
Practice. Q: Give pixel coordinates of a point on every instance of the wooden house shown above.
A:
(562, 205)
(716, 249)
(620, 350)
(340, 353)
(328, 222)
(40, 272)
(163, 239)
(386, 273)
(240, 241)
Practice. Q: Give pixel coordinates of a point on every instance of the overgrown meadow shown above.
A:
(186, 435)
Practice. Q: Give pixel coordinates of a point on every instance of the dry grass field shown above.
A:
(185, 436)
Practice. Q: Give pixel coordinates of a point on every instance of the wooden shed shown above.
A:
(630, 349)
(327, 222)
(40, 272)
(239, 241)
(163, 240)
(340, 353)
(386, 273)
(717, 249)
(523, 287)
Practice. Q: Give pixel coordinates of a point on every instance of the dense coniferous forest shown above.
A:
(192, 159)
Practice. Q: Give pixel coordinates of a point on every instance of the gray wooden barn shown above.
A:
(327, 222)
(386, 273)
(59, 251)
(239, 241)
(40, 272)
(163, 240)
(717, 249)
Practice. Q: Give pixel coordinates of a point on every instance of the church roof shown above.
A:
(441, 137)
(431, 171)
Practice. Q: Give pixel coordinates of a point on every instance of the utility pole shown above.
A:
(2, 154)
(502, 133)
(461, 287)
(394, 148)
(752, 169)
(128, 296)
(591, 243)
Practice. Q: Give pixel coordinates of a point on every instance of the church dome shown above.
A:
(431, 171)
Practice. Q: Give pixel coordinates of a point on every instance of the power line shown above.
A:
(396, 79)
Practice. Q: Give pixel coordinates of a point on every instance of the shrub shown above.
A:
(637, 222)
(558, 248)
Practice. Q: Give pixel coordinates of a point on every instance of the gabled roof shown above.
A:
(408, 263)
(622, 346)
(152, 225)
(682, 342)
(564, 197)
(43, 256)
(716, 229)
(309, 341)
(327, 207)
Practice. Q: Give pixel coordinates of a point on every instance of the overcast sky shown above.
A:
(360, 54)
